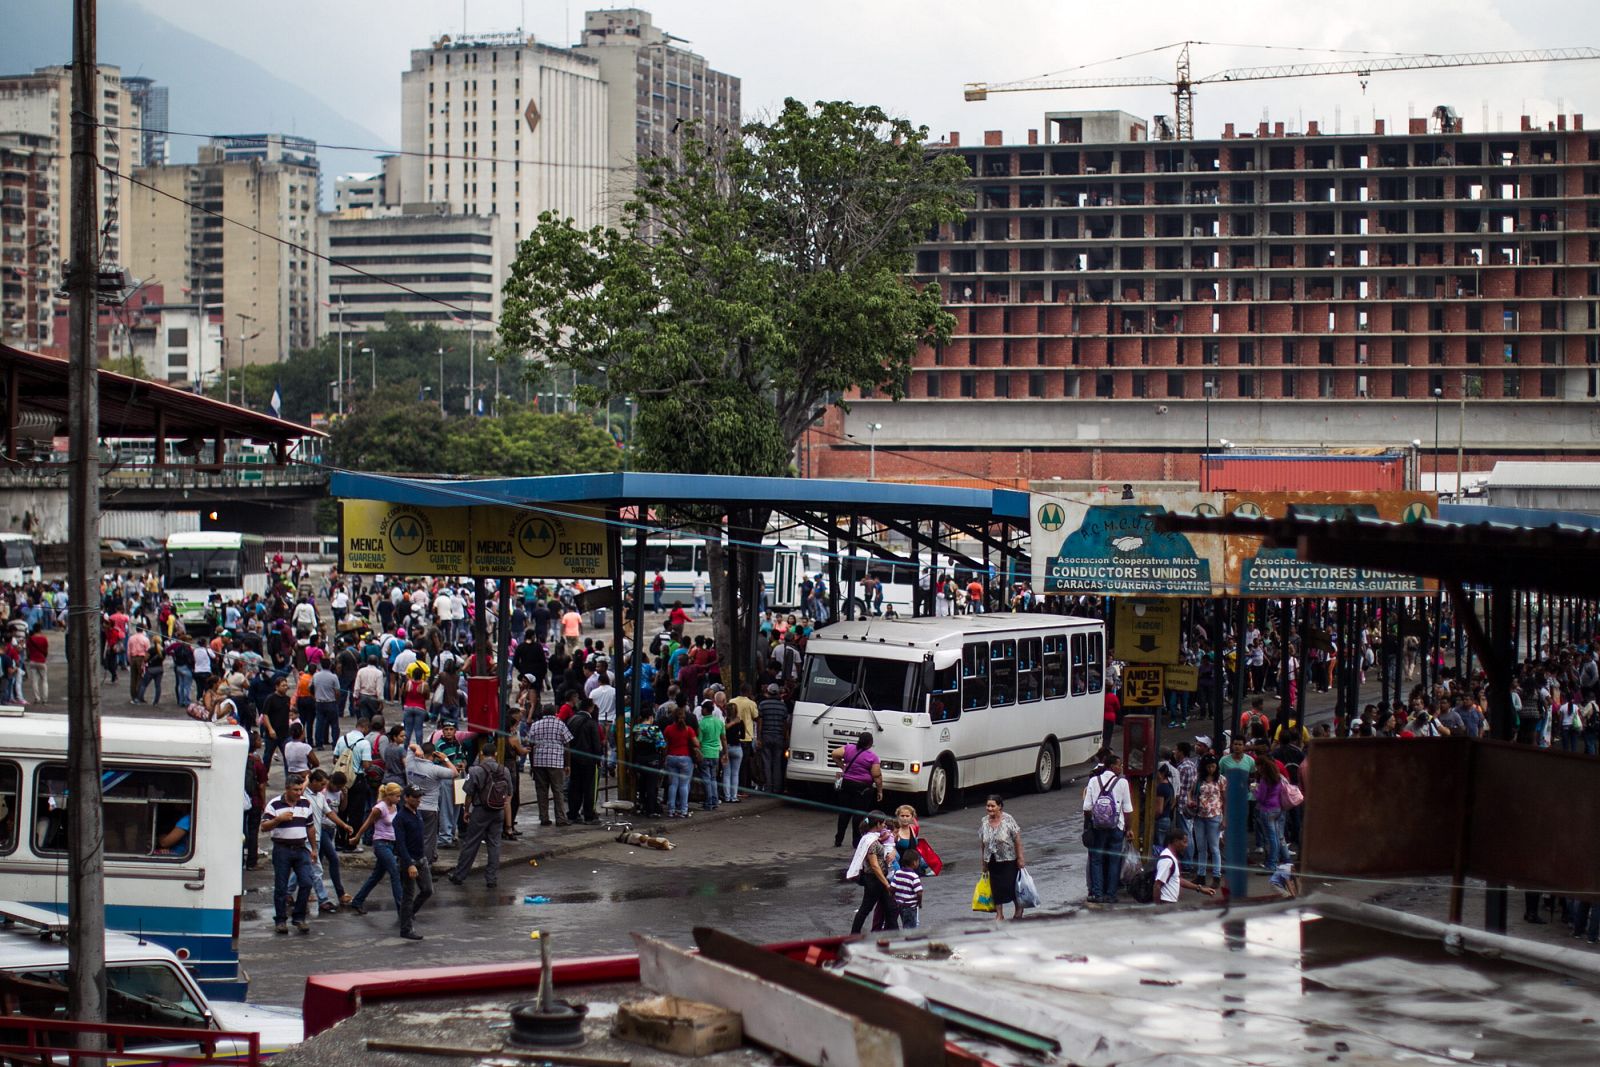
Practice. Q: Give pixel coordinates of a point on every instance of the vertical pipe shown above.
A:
(502, 659)
(86, 948)
(636, 673)
(1218, 665)
(1240, 625)
(1298, 712)
(1238, 838)
(614, 667)
(1284, 624)
(1388, 646)
(918, 595)
(833, 568)
(850, 595)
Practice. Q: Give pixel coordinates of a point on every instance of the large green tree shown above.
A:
(753, 280)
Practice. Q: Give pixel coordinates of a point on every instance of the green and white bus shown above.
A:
(196, 565)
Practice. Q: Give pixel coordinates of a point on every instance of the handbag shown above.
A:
(1027, 892)
(198, 712)
(930, 858)
(1292, 796)
(982, 895)
(838, 783)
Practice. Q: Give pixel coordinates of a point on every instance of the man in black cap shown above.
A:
(772, 739)
(410, 853)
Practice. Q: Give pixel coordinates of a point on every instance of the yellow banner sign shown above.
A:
(1146, 631)
(1141, 687)
(513, 543)
(1184, 679)
(478, 542)
(382, 538)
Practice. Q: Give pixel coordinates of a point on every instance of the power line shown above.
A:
(268, 139)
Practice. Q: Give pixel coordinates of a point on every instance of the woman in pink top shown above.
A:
(381, 821)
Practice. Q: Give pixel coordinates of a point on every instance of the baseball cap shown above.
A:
(773, 690)
(413, 791)
(1204, 739)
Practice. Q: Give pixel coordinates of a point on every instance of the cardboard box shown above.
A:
(682, 1027)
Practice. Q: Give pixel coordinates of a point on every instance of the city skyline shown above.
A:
(913, 58)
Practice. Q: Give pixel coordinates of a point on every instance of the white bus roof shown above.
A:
(168, 740)
(15, 537)
(209, 539)
(936, 631)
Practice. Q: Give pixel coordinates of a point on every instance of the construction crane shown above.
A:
(1183, 85)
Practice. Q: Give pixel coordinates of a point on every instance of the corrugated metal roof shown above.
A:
(1520, 474)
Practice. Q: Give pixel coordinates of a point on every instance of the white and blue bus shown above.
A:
(18, 560)
(952, 702)
(173, 798)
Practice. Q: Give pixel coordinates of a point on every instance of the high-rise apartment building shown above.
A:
(498, 124)
(151, 100)
(39, 105)
(654, 87)
(1123, 305)
(266, 282)
(29, 255)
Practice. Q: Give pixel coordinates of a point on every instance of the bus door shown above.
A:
(786, 575)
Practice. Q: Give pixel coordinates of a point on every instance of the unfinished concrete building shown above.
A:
(1133, 303)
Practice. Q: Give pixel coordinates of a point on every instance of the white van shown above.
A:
(146, 986)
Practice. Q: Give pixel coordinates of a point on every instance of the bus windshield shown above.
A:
(856, 682)
(17, 554)
(209, 566)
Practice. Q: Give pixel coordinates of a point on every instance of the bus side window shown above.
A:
(944, 701)
(144, 807)
(1096, 661)
(1080, 682)
(1029, 687)
(1055, 666)
(975, 676)
(1002, 673)
(10, 805)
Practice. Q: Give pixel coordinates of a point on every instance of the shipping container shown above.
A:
(1304, 473)
(158, 524)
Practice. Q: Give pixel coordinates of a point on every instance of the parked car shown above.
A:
(152, 547)
(115, 553)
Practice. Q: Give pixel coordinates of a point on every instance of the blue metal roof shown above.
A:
(1537, 518)
(627, 488)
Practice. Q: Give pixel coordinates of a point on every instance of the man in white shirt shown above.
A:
(444, 614)
(340, 603)
(699, 589)
(369, 689)
(402, 663)
(1107, 803)
(1169, 873)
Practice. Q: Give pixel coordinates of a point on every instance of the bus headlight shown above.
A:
(803, 756)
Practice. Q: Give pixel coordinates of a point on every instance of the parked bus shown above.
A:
(196, 565)
(953, 702)
(18, 563)
(173, 793)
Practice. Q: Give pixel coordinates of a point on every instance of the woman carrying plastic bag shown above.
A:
(1027, 893)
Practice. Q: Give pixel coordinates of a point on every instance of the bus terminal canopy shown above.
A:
(515, 521)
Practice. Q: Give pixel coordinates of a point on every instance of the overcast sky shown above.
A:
(913, 57)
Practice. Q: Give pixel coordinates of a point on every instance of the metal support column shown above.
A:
(833, 568)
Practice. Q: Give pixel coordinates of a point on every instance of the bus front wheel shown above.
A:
(1046, 768)
(941, 780)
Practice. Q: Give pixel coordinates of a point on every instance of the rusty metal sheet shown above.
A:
(1377, 807)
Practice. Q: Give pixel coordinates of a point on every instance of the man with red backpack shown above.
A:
(488, 791)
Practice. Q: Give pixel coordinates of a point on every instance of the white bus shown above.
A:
(952, 702)
(18, 563)
(233, 565)
(173, 795)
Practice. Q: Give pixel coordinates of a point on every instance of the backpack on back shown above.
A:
(494, 787)
(1103, 812)
(344, 759)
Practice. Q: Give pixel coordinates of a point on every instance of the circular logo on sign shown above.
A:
(1248, 509)
(1051, 517)
(405, 534)
(536, 537)
(1415, 512)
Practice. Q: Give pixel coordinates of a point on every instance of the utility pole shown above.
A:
(86, 891)
(341, 346)
(441, 380)
(472, 366)
(1461, 439)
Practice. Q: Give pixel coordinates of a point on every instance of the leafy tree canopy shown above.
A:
(752, 281)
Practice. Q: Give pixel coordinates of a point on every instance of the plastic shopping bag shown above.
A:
(1132, 863)
(982, 895)
(1027, 894)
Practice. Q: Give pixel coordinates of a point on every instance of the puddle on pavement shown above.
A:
(664, 891)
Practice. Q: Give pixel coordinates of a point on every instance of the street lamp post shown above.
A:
(368, 350)
(243, 318)
(1205, 474)
(1438, 395)
(341, 347)
(441, 379)
(872, 450)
